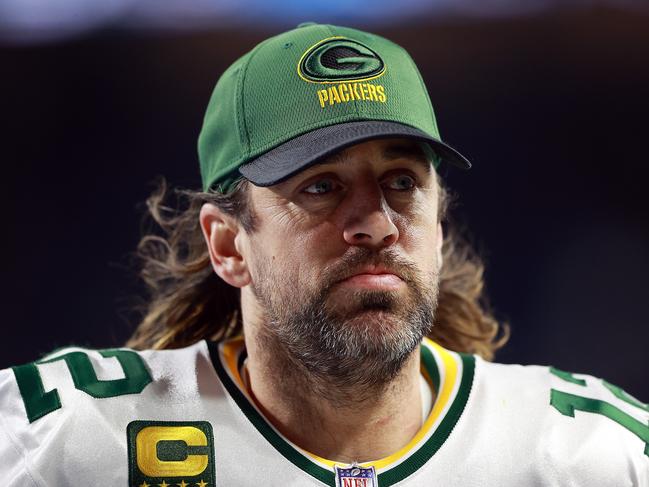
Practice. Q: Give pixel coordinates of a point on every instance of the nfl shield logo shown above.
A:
(355, 476)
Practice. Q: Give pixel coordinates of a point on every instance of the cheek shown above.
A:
(422, 243)
(285, 251)
(288, 240)
(298, 233)
(418, 235)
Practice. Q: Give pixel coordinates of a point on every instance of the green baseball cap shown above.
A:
(300, 96)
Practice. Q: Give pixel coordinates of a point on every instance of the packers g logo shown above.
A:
(339, 59)
(171, 453)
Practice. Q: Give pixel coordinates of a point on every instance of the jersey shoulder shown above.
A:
(64, 396)
(73, 377)
(566, 421)
(558, 386)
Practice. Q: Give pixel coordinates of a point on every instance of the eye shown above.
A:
(403, 179)
(322, 186)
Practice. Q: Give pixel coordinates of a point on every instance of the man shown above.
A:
(286, 339)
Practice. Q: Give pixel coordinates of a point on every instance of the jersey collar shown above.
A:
(450, 375)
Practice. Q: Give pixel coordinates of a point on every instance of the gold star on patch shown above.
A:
(182, 484)
(144, 484)
(201, 483)
(164, 484)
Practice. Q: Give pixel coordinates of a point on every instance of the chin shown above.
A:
(375, 319)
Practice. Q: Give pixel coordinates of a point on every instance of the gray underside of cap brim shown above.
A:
(303, 151)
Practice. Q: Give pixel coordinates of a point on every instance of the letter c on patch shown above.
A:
(147, 441)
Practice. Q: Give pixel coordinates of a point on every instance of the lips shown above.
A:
(374, 277)
(374, 280)
(375, 270)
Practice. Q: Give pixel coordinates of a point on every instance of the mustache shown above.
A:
(359, 257)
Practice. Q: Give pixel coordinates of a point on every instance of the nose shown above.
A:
(370, 224)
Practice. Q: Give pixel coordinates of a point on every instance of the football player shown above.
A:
(310, 320)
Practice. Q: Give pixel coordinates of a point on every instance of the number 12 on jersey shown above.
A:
(39, 403)
(567, 403)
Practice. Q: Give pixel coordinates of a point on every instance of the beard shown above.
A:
(349, 351)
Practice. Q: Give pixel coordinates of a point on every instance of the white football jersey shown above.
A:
(184, 418)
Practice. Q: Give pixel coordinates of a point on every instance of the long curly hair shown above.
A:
(187, 301)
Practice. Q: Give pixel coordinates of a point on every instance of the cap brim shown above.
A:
(303, 151)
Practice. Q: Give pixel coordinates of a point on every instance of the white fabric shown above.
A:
(508, 434)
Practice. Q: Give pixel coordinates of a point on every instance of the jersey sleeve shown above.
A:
(14, 470)
(596, 414)
(59, 413)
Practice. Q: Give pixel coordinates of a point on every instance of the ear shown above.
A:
(222, 234)
(440, 243)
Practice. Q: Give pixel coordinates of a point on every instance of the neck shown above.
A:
(343, 424)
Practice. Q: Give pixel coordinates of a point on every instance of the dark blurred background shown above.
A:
(550, 100)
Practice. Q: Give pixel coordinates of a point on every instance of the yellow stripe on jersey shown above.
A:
(231, 350)
(447, 386)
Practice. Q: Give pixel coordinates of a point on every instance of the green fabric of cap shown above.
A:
(282, 88)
